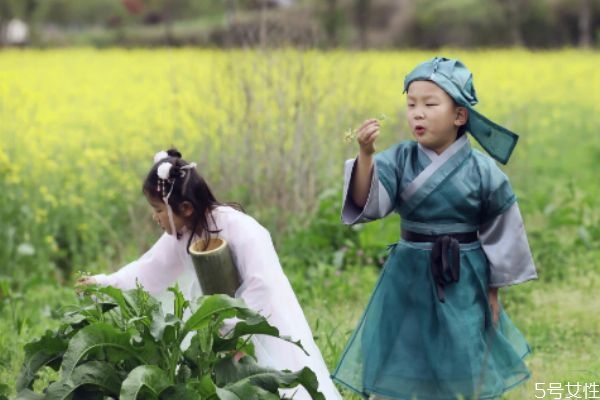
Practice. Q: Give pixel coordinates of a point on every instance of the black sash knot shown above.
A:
(445, 256)
(445, 263)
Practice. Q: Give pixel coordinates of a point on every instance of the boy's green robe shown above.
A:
(419, 339)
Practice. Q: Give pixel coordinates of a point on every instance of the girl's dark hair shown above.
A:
(187, 185)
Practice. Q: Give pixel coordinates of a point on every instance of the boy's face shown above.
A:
(433, 117)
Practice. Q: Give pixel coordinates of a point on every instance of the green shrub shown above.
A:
(120, 344)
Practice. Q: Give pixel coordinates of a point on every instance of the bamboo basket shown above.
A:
(214, 266)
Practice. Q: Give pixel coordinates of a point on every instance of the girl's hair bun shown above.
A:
(173, 152)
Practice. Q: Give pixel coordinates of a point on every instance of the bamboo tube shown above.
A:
(214, 266)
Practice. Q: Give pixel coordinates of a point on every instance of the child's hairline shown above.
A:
(456, 103)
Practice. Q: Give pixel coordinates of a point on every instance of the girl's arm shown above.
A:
(156, 270)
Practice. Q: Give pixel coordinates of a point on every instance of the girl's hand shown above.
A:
(85, 281)
(494, 305)
(366, 136)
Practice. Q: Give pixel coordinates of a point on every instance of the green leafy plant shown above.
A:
(121, 345)
(4, 390)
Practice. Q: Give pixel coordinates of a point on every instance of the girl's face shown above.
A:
(160, 215)
(433, 116)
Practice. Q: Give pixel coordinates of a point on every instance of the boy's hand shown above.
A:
(494, 305)
(366, 136)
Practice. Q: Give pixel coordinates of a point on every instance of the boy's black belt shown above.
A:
(445, 255)
(466, 237)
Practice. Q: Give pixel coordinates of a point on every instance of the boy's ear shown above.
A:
(462, 115)
(186, 209)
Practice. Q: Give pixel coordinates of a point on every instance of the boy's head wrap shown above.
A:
(456, 80)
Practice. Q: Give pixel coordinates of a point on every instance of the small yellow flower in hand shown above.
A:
(350, 133)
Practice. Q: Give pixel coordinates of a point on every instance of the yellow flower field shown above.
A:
(79, 128)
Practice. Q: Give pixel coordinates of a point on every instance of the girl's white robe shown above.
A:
(264, 288)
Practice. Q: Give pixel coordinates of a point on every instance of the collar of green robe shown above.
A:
(456, 80)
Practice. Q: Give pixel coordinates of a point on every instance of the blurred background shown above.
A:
(358, 24)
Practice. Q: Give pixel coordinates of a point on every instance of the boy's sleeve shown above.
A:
(505, 244)
(382, 193)
(502, 234)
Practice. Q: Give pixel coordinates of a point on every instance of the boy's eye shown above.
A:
(431, 104)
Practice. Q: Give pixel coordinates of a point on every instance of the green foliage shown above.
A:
(120, 344)
(4, 391)
(568, 231)
(323, 239)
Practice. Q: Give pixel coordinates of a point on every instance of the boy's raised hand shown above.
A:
(366, 136)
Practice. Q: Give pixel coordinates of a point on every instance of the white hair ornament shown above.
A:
(164, 170)
(161, 155)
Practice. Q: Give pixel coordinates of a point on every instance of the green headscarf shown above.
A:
(456, 80)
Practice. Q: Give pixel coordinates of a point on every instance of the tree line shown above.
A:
(316, 23)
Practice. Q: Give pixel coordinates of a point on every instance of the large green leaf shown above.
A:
(216, 307)
(106, 337)
(245, 391)
(166, 327)
(47, 350)
(180, 392)
(254, 325)
(98, 375)
(147, 378)
(236, 376)
(192, 389)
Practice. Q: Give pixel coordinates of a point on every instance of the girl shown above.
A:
(186, 209)
(433, 328)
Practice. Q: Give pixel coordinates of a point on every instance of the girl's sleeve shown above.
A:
(502, 234)
(156, 270)
(382, 193)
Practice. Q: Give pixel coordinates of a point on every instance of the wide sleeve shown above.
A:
(382, 193)
(505, 244)
(156, 270)
(502, 232)
(266, 289)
